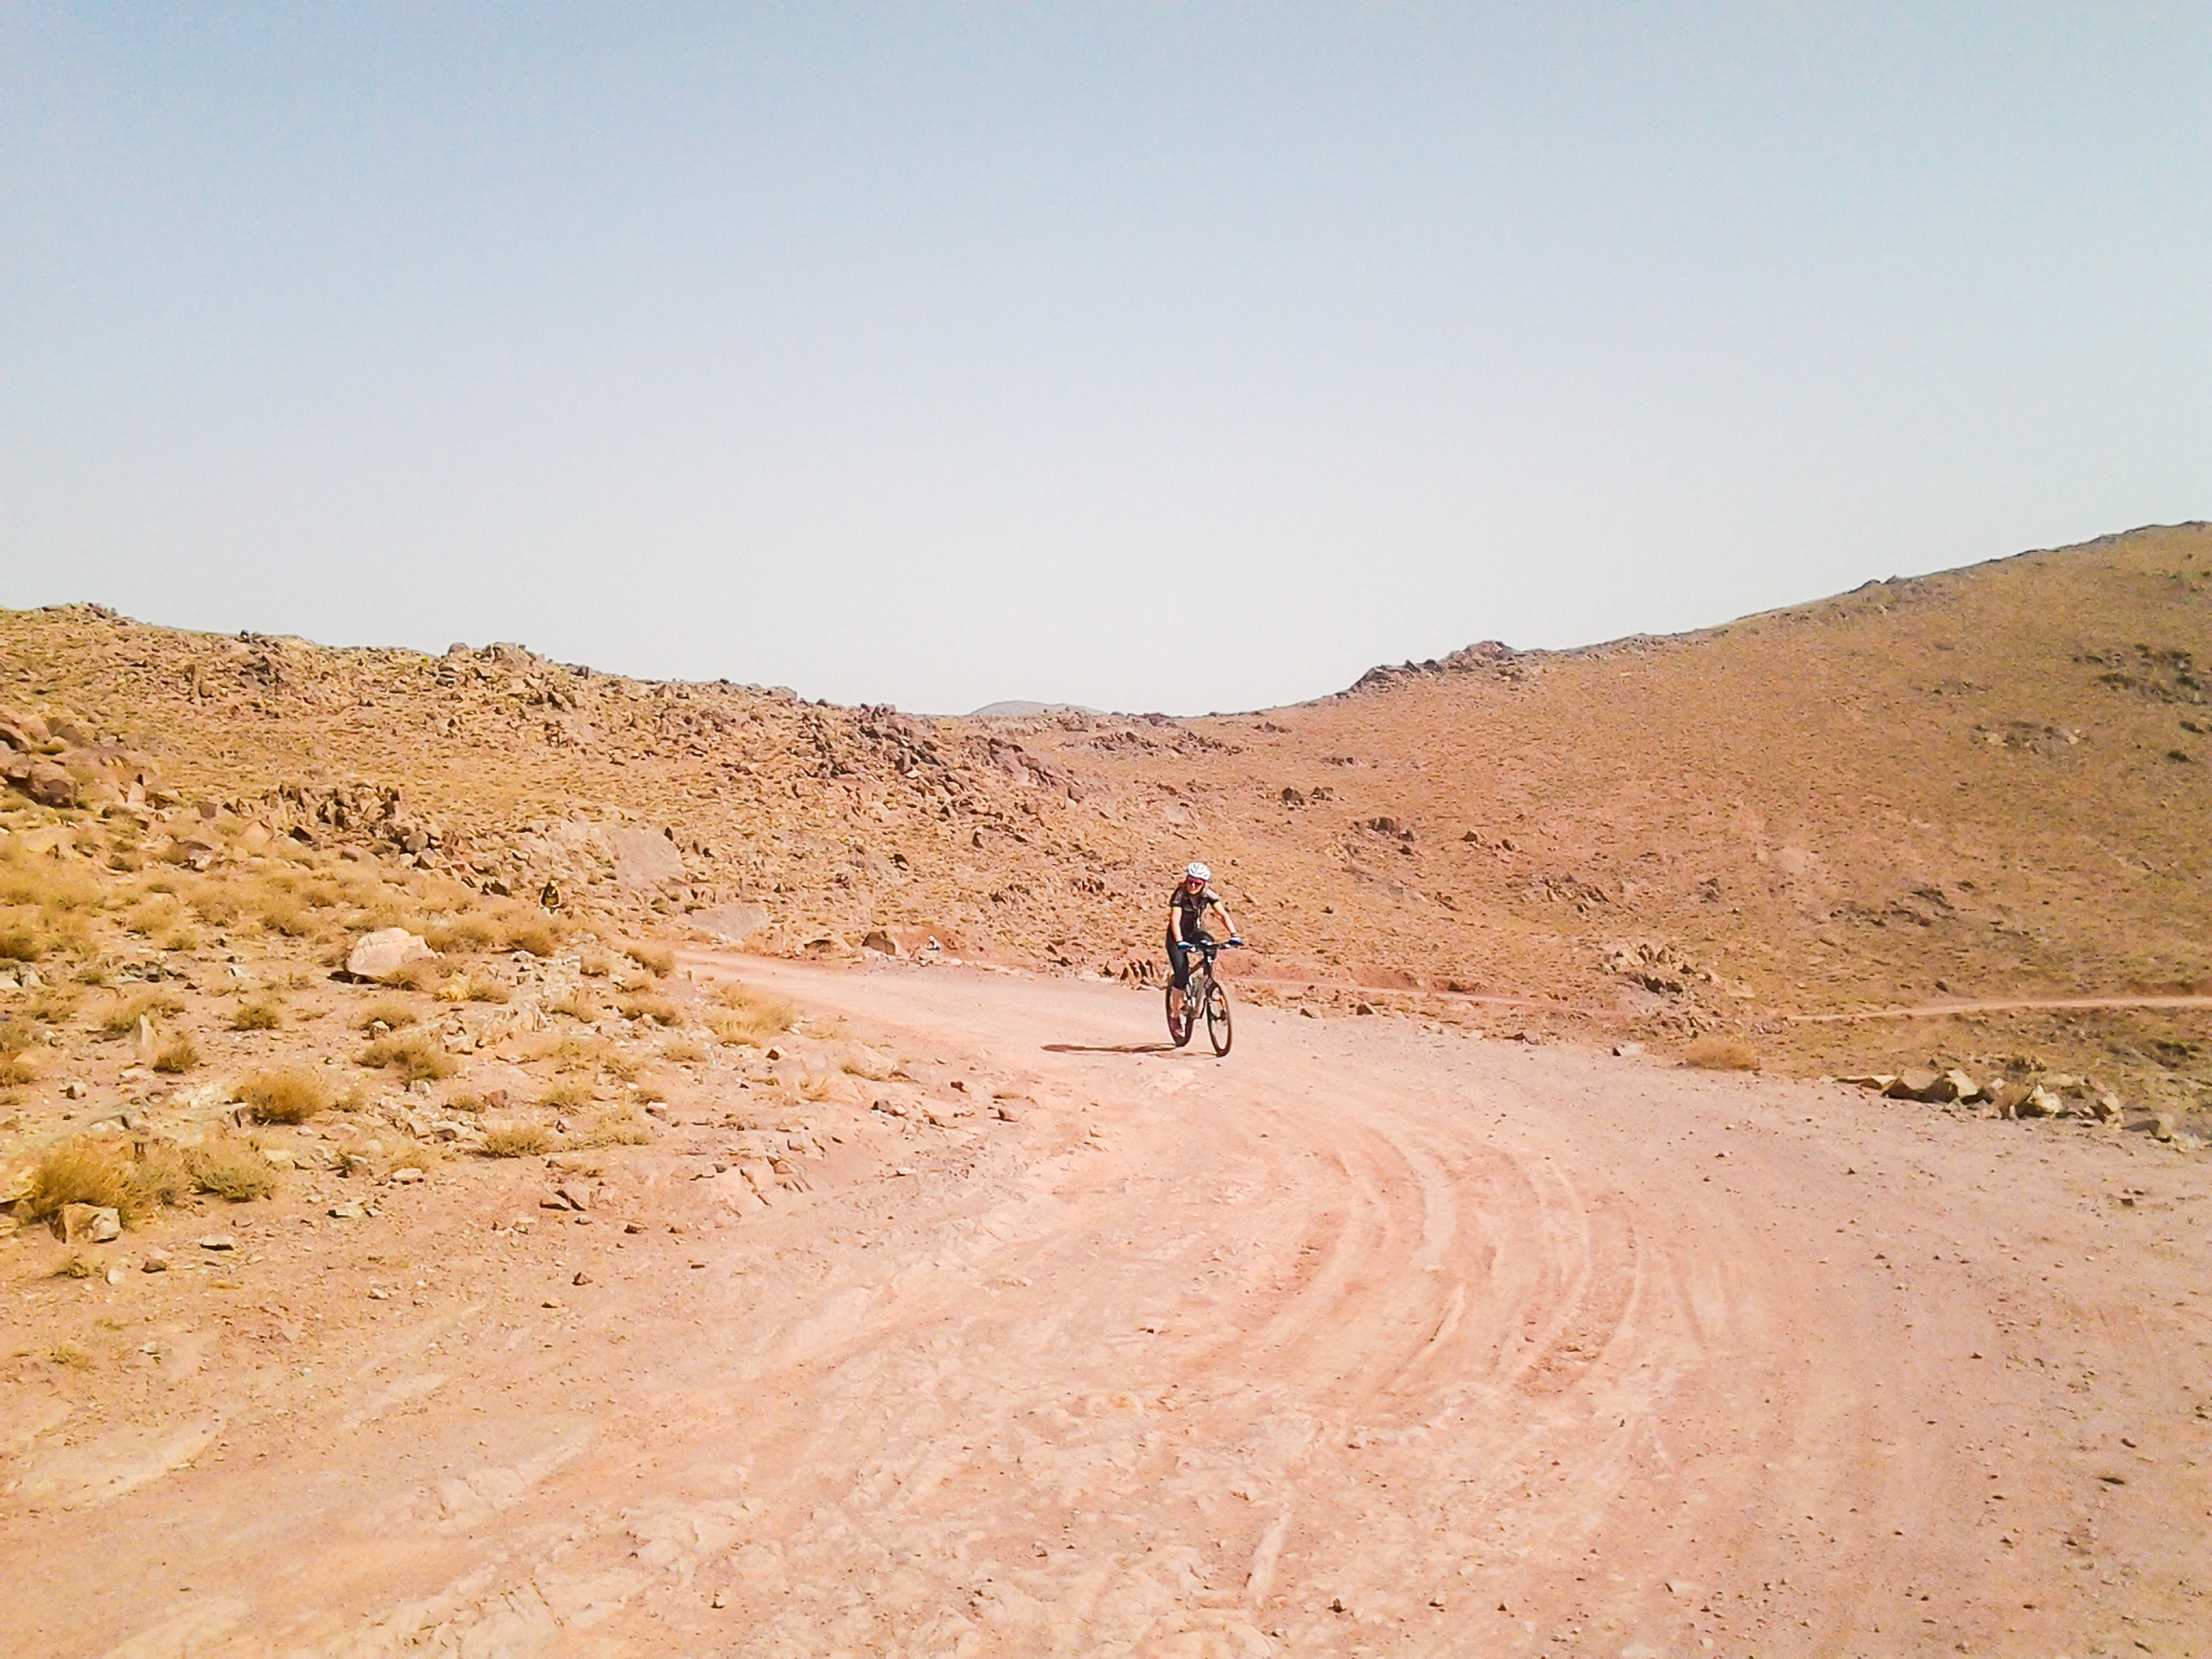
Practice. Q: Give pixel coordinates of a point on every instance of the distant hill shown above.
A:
(1017, 709)
(1987, 781)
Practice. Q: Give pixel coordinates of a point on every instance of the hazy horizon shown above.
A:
(1177, 360)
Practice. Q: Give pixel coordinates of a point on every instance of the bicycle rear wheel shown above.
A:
(1217, 1031)
(1178, 1017)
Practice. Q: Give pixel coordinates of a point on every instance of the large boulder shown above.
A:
(380, 955)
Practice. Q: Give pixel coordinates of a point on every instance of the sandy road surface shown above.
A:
(1369, 1339)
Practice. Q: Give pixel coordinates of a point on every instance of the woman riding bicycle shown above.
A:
(1186, 915)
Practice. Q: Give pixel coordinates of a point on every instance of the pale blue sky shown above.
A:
(1149, 356)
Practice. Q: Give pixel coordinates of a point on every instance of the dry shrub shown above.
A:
(517, 1140)
(625, 1066)
(566, 1096)
(232, 1171)
(474, 988)
(162, 1176)
(291, 918)
(748, 1017)
(465, 1100)
(177, 1055)
(389, 1010)
(256, 1016)
(572, 1054)
(18, 1066)
(472, 930)
(658, 1009)
(289, 1093)
(657, 959)
(576, 1004)
(74, 1266)
(414, 1055)
(121, 1019)
(83, 1169)
(596, 965)
(534, 935)
(685, 1051)
(414, 976)
(216, 905)
(22, 944)
(44, 882)
(620, 1128)
(863, 1065)
(69, 1353)
(822, 1085)
(1717, 1054)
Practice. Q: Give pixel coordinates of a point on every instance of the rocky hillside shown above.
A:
(1986, 784)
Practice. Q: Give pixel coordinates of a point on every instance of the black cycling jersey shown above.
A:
(1191, 909)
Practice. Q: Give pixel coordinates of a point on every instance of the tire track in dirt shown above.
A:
(1363, 1340)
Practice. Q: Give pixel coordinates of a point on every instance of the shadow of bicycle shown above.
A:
(1110, 1048)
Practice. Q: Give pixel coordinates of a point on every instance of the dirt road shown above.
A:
(1369, 1339)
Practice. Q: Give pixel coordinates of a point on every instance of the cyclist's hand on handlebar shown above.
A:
(1235, 941)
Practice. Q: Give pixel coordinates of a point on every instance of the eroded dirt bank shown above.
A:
(1369, 1339)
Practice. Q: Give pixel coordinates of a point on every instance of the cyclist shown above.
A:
(1186, 916)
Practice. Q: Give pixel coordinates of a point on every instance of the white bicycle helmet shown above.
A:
(1197, 873)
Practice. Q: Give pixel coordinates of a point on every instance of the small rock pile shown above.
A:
(2052, 1094)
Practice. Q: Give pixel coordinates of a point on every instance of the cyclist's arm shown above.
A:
(1174, 923)
(1225, 921)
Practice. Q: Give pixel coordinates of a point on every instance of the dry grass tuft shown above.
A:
(822, 1086)
(18, 1066)
(256, 1016)
(177, 1055)
(517, 1140)
(657, 959)
(1717, 1054)
(567, 1095)
(414, 1055)
(288, 1094)
(232, 1171)
(81, 1170)
(658, 1009)
(620, 1128)
(685, 1051)
(389, 1010)
(121, 1019)
(415, 976)
(748, 1018)
(22, 944)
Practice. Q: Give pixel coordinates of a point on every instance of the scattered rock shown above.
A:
(1622, 1051)
(72, 1091)
(2106, 1108)
(345, 1213)
(882, 942)
(219, 1242)
(2162, 1126)
(404, 1177)
(89, 1223)
(156, 1261)
(379, 955)
(582, 1278)
(575, 1194)
(1005, 1114)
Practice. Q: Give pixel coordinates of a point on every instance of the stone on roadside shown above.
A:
(1914, 1085)
(379, 955)
(219, 1242)
(882, 942)
(574, 1193)
(2039, 1102)
(2162, 1126)
(1627, 1051)
(89, 1223)
(2106, 1108)
(407, 1175)
(1962, 1086)
(156, 1261)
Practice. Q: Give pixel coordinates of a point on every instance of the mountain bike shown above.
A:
(1205, 993)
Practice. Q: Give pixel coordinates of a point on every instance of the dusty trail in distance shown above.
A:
(1368, 1339)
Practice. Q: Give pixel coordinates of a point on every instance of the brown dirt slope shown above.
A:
(1988, 782)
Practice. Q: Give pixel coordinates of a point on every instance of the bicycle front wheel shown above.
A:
(1217, 1032)
(1178, 1017)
